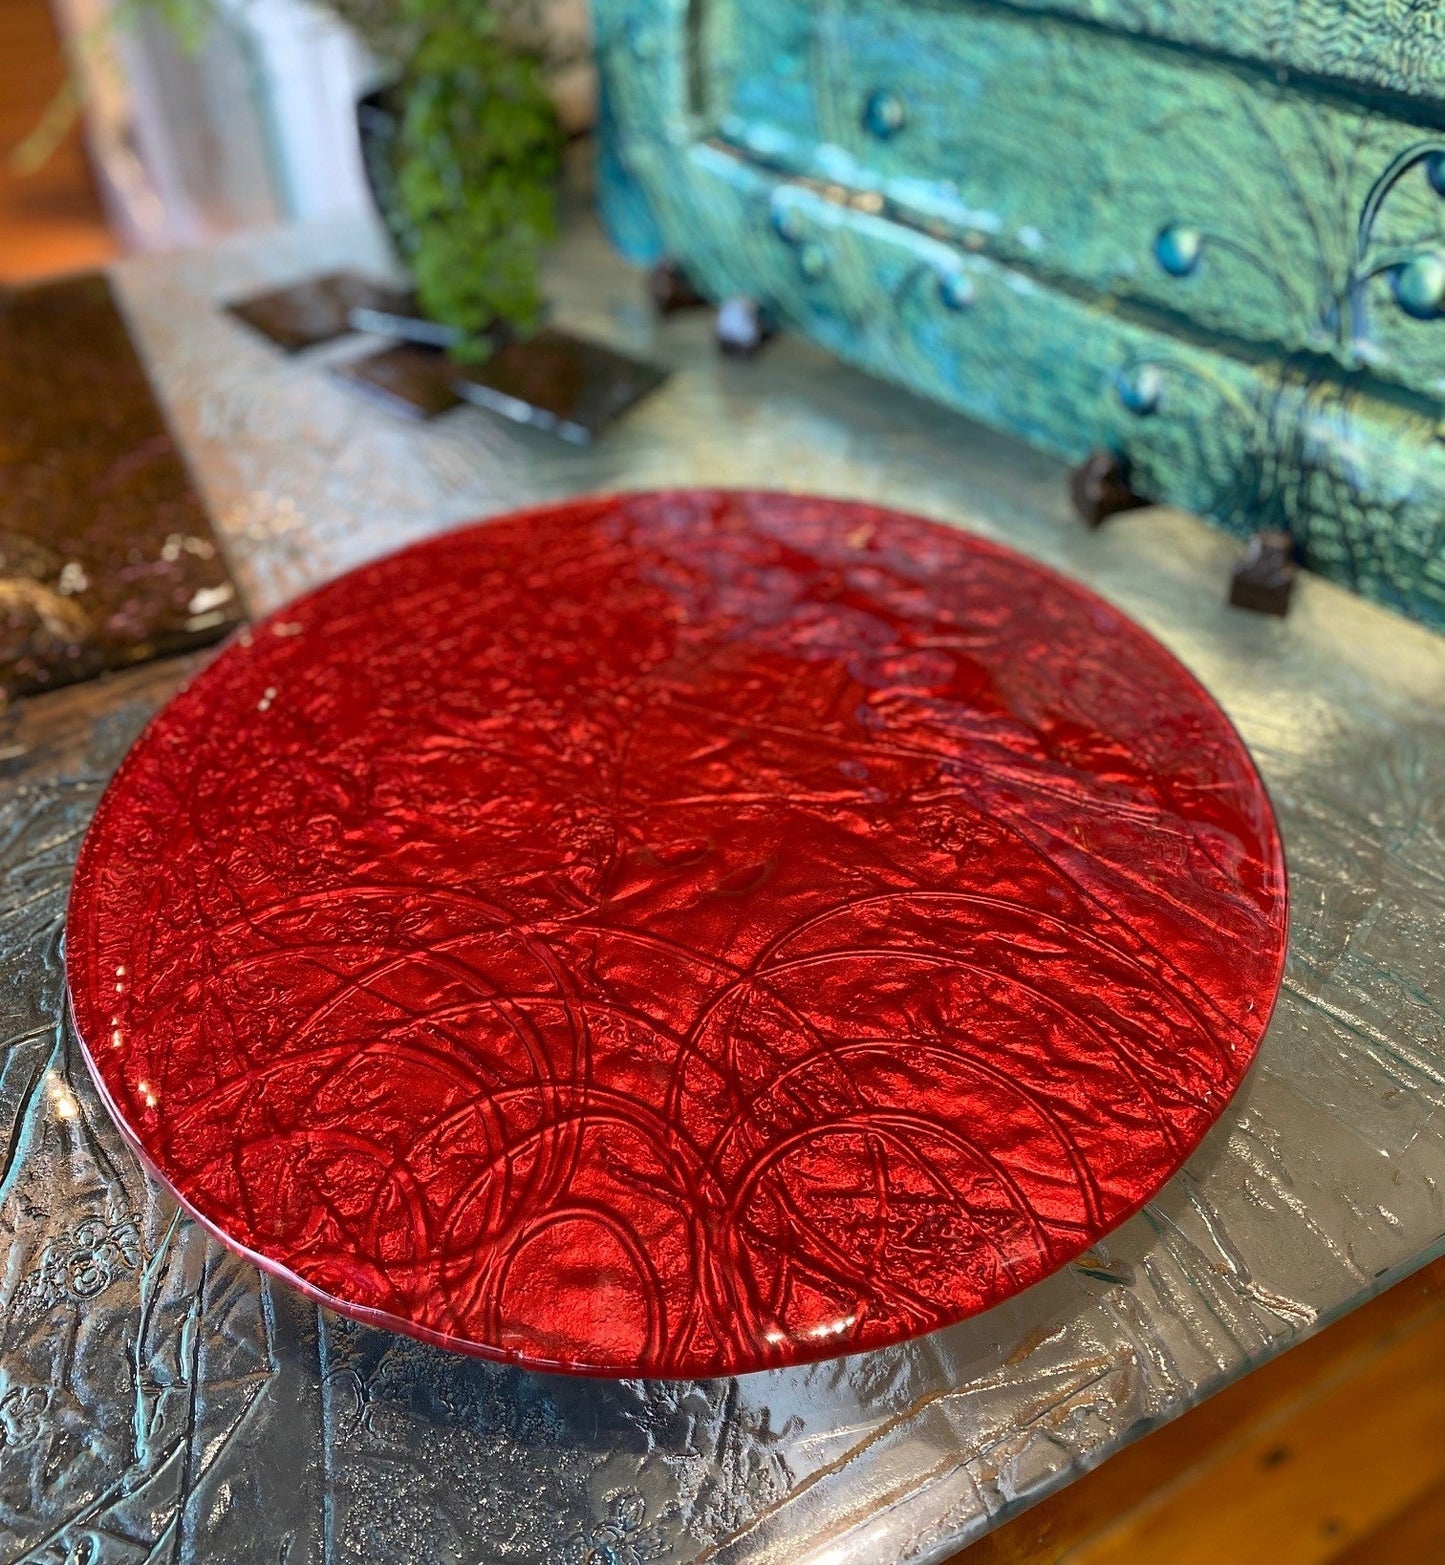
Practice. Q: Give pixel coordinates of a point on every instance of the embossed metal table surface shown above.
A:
(160, 1400)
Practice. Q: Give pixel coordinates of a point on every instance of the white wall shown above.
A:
(256, 127)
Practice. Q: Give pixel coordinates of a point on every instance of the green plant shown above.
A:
(476, 163)
(476, 157)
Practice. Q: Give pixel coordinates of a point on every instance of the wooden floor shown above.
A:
(50, 221)
(1333, 1454)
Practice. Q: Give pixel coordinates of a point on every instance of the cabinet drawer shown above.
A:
(1359, 481)
(1276, 218)
(939, 195)
(1397, 45)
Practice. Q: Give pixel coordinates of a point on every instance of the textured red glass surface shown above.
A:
(678, 934)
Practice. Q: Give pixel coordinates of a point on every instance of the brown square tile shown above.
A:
(308, 313)
(106, 553)
(415, 382)
(561, 383)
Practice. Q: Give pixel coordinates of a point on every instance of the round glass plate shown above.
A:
(678, 934)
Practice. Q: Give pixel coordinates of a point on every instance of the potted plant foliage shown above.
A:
(463, 151)
(462, 145)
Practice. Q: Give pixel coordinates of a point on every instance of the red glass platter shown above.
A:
(678, 934)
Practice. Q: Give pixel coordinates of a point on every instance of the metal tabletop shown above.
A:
(160, 1400)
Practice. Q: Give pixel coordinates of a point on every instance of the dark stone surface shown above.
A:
(106, 553)
(1100, 487)
(414, 381)
(308, 313)
(1264, 578)
(558, 382)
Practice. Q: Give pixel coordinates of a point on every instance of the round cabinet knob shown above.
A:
(884, 114)
(1420, 286)
(1141, 390)
(956, 290)
(812, 259)
(787, 222)
(1178, 249)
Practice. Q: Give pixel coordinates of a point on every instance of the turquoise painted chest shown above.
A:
(1207, 234)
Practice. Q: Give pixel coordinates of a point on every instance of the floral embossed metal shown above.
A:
(678, 934)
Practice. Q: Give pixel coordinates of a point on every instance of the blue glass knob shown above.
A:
(956, 290)
(787, 222)
(1420, 286)
(884, 114)
(1142, 391)
(1178, 249)
(812, 260)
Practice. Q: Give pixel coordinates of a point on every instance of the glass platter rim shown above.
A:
(800, 1350)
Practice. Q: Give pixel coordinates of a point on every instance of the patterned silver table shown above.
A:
(159, 1400)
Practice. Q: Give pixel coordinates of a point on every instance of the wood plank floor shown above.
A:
(1333, 1454)
(50, 221)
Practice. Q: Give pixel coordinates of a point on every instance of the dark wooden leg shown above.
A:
(672, 289)
(1264, 578)
(1100, 487)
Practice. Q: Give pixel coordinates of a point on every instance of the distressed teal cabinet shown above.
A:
(1207, 233)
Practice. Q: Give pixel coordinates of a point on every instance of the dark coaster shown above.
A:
(559, 383)
(1100, 487)
(106, 554)
(317, 310)
(413, 381)
(1264, 578)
